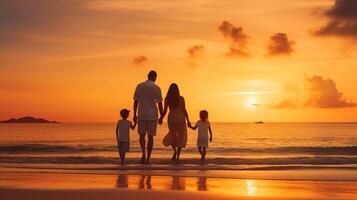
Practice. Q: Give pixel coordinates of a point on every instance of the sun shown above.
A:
(251, 103)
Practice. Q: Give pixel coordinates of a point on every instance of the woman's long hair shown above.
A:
(173, 96)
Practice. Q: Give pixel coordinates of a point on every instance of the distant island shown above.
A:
(27, 120)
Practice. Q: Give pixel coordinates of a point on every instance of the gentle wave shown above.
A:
(315, 160)
(45, 148)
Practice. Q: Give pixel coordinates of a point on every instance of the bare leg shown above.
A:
(204, 152)
(149, 148)
(142, 145)
(122, 157)
(178, 153)
(175, 152)
(201, 152)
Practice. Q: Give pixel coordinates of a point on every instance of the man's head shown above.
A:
(124, 113)
(152, 75)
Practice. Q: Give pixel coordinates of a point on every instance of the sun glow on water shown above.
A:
(251, 189)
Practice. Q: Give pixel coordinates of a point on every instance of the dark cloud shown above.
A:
(140, 60)
(236, 37)
(324, 94)
(320, 93)
(280, 45)
(342, 19)
(195, 51)
(343, 9)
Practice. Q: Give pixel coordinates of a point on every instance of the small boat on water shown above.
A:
(259, 122)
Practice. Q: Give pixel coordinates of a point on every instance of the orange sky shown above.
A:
(81, 61)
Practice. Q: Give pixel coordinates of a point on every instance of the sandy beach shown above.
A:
(41, 184)
(111, 194)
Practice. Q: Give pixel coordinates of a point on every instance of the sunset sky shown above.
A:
(242, 60)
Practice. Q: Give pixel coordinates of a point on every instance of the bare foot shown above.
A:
(174, 156)
(143, 159)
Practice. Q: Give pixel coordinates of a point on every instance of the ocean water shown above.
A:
(235, 145)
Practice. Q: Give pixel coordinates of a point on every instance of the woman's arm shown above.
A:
(193, 127)
(185, 112)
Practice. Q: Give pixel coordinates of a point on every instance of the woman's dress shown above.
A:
(177, 125)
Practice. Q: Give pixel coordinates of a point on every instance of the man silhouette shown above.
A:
(147, 95)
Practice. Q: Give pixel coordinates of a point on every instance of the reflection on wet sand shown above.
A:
(178, 183)
(227, 186)
(146, 182)
(239, 187)
(202, 184)
(122, 181)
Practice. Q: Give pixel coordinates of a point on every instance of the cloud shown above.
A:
(342, 20)
(66, 27)
(236, 37)
(286, 103)
(140, 60)
(320, 93)
(324, 94)
(195, 51)
(280, 45)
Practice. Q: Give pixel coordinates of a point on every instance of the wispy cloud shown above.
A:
(239, 93)
(140, 60)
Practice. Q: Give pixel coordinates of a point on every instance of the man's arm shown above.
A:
(116, 133)
(163, 113)
(158, 98)
(210, 133)
(135, 119)
(160, 108)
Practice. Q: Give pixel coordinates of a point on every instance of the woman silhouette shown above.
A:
(176, 120)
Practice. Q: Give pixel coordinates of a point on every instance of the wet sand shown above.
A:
(46, 185)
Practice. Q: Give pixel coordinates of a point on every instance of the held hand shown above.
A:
(189, 124)
(135, 119)
(160, 121)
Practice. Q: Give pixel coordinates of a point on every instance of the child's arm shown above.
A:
(210, 133)
(133, 126)
(116, 133)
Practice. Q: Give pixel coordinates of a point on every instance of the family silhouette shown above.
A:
(148, 104)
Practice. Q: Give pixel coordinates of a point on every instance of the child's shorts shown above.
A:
(123, 146)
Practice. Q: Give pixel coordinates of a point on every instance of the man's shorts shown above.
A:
(147, 127)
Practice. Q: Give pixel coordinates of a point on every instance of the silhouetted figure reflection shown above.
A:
(178, 183)
(145, 182)
(122, 181)
(202, 184)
